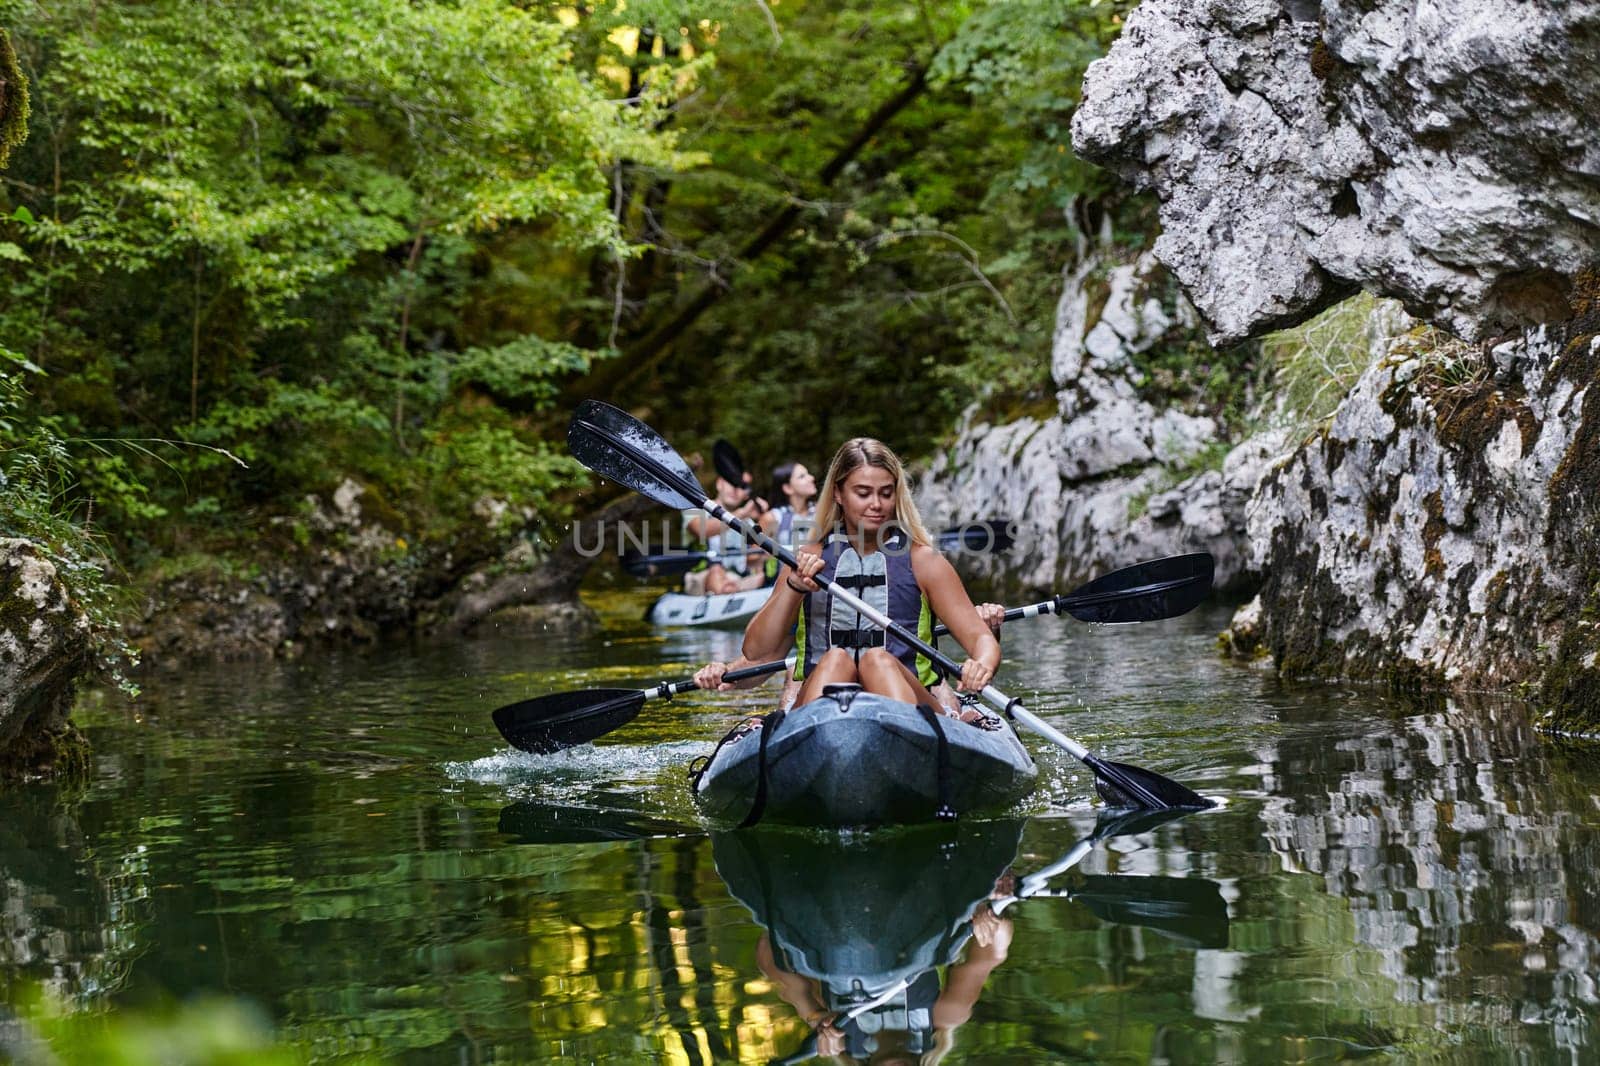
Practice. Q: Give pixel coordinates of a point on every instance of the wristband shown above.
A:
(796, 588)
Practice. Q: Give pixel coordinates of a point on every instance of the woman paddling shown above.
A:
(869, 538)
(735, 571)
(790, 521)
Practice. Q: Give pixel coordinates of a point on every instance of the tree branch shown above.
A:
(645, 353)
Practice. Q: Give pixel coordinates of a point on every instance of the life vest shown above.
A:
(910, 1012)
(784, 535)
(728, 544)
(884, 579)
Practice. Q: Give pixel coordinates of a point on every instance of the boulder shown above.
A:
(45, 647)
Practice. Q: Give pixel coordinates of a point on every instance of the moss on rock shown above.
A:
(63, 754)
(1570, 690)
(13, 100)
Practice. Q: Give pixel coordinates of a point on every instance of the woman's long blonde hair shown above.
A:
(852, 456)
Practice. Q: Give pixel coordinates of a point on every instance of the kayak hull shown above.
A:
(866, 760)
(681, 609)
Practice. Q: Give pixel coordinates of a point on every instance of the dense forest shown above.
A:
(250, 252)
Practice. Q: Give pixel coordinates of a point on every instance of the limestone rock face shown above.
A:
(1441, 153)
(44, 648)
(1445, 528)
(1100, 483)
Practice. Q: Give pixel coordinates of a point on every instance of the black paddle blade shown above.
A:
(1190, 910)
(549, 723)
(989, 535)
(729, 463)
(1145, 592)
(1122, 785)
(544, 823)
(660, 565)
(618, 446)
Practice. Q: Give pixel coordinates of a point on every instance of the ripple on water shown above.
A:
(609, 764)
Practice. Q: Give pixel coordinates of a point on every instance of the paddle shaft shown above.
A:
(667, 690)
(949, 667)
(949, 540)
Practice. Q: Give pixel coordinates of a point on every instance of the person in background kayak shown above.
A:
(869, 537)
(740, 567)
(789, 522)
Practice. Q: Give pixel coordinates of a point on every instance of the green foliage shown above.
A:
(1318, 362)
(524, 370)
(923, 277)
(36, 483)
(208, 1032)
(1025, 63)
(273, 231)
(386, 239)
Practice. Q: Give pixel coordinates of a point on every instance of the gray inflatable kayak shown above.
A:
(855, 758)
(682, 609)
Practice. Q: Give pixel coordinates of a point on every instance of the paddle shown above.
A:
(1143, 592)
(613, 443)
(730, 464)
(545, 724)
(1162, 588)
(991, 534)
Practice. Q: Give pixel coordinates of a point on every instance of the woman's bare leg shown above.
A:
(887, 676)
(836, 667)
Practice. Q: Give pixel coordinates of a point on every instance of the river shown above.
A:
(345, 842)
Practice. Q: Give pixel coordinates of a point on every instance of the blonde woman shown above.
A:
(870, 539)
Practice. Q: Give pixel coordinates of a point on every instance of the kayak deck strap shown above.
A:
(758, 806)
(946, 811)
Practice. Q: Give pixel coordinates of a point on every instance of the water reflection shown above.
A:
(857, 928)
(69, 918)
(349, 844)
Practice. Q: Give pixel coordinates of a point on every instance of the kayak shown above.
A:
(854, 758)
(682, 609)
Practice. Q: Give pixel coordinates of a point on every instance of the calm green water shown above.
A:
(347, 843)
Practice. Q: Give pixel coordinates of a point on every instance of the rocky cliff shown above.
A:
(1444, 530)
(1441, 528)
(44, 648)
(1441, 153)
(1111, 476)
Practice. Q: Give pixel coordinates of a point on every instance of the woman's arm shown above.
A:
(949, 600)
(770, 633)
